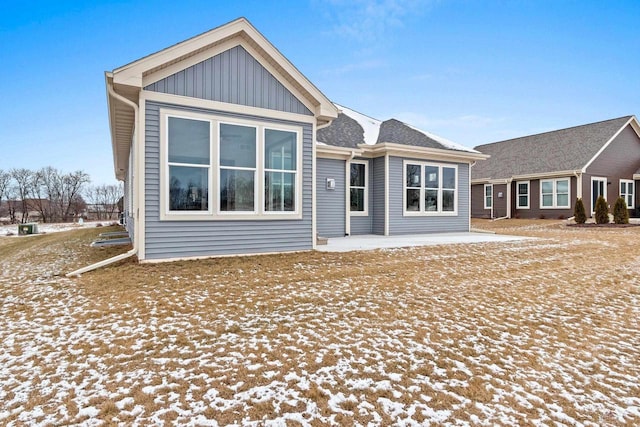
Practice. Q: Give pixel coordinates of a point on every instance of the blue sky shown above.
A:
(471, 71)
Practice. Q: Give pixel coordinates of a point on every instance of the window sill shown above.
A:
(231, 217)
(429, 214)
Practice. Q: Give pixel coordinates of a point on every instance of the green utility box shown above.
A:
(29, 228)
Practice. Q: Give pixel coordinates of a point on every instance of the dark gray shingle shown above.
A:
(560, 150)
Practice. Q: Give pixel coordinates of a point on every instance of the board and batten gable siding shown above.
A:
(330, 204)
(233, 76)
(182, 239)
(363, 224)
(400, 224)
(377, 193)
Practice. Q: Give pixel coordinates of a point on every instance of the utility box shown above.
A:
(28, 228)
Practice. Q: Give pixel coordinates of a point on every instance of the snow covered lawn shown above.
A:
(533, 332)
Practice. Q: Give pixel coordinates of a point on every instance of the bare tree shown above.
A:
(5, 181)
(22, 179)
(72, 185)
(104, 200)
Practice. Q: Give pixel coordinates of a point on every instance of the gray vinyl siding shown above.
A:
(175, 239)
(364, 224)
(535, 211)
(377, 193)
(233, 76)
(330, 204)
(399, 224)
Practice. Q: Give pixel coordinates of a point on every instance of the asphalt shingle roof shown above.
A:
(560, 150)
(345, 131)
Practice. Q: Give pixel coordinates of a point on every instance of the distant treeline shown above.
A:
(50, 195)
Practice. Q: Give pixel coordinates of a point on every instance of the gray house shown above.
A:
(542, 175)
(226, 148)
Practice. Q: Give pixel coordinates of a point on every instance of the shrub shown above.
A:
(620, 212)
(602, 211)
(579, 213)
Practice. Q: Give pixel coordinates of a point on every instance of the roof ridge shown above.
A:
(553, 131)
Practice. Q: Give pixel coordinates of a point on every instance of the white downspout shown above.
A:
(578, 175)
(347, 195)
(133, 251)
(509, 182)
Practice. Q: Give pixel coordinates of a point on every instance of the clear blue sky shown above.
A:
(471, 71)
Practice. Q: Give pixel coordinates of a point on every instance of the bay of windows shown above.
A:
(554, 193)
(430, 189)
(253, 169)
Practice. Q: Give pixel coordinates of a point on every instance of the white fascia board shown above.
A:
(132, 74)
(422, 152)
(527, 177)
(333, 152)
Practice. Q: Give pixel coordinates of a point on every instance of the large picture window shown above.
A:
(220, 169)
(189, 161)
(626, 192)
(430, 189)
(358, 188)
(555, 193)
(522, 196)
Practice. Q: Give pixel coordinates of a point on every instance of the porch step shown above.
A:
(321, 240)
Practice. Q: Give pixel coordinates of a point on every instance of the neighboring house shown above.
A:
(226, 148)
(542, 175)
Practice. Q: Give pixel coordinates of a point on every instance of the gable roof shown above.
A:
(127, 81)
(352, 129)
(570, 149)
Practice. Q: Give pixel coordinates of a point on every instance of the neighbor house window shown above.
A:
(555, 193)
(488, 196)
(430, 189)
(189, 164)
(522, 195)
(240, 169)
(358, 188)
(626, 192)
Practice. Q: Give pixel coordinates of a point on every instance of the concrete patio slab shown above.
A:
(371, 241)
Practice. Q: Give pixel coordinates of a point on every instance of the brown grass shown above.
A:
(533, 330)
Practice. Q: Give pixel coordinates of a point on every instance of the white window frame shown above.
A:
(214, 212)
(485, 197)
(422, 211)
(365, 212)
(554, 193)
(218, 167)
(518, 206)
(624, 195)
(165, 164)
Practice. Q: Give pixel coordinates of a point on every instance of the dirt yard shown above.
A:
(536, 332)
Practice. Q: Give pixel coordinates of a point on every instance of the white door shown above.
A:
(598, 188)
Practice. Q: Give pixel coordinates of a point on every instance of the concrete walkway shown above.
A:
(370, 241)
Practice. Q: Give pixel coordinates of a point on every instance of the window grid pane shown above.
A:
(237, 189)
(188, 188)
